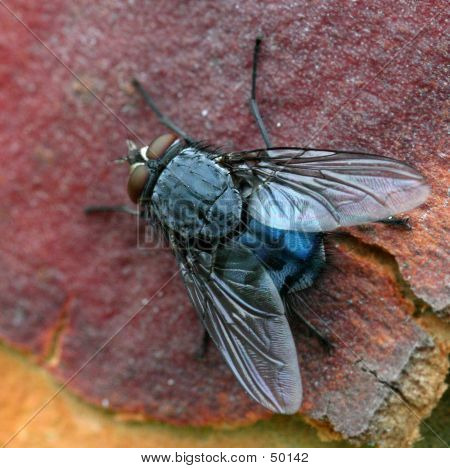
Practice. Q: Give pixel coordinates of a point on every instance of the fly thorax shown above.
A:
(196, 197)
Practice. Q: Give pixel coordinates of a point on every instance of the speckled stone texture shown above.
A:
(355, 75)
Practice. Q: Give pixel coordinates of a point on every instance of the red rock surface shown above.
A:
(351, 75)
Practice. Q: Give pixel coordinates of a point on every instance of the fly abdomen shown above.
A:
(292, 258)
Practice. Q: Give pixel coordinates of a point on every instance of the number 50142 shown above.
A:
(289, 457)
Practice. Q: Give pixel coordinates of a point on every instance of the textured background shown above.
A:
(353, 75)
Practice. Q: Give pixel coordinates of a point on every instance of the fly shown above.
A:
(247, 230)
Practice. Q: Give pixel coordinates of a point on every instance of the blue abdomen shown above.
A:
(293, 259)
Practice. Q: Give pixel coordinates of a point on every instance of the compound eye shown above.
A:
(139, 174)
(158, 146)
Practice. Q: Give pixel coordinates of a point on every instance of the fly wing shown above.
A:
(245, 317)
(314, 190)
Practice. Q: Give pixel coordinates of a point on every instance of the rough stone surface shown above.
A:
(351, 75)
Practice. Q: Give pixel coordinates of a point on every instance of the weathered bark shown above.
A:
(369, 77)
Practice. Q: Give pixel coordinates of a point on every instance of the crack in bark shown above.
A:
(388, 260)
(399, 386)
(390, 385)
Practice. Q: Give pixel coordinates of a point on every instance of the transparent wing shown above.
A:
(315, 190)
(245, 317)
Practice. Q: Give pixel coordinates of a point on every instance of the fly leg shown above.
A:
(402, 223)
(204, 345)
(316, 332)
(161, 117)
(253, 103)
(295, 304)
(91, 209)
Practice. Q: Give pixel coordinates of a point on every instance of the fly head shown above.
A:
(145, 163)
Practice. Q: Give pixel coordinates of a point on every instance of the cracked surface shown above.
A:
(68, 281)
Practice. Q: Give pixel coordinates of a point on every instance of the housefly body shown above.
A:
(247, 230)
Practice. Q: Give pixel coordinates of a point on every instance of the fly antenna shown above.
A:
(131, 145)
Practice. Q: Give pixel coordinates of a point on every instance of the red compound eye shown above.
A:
(158, 146)
(139, 174)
